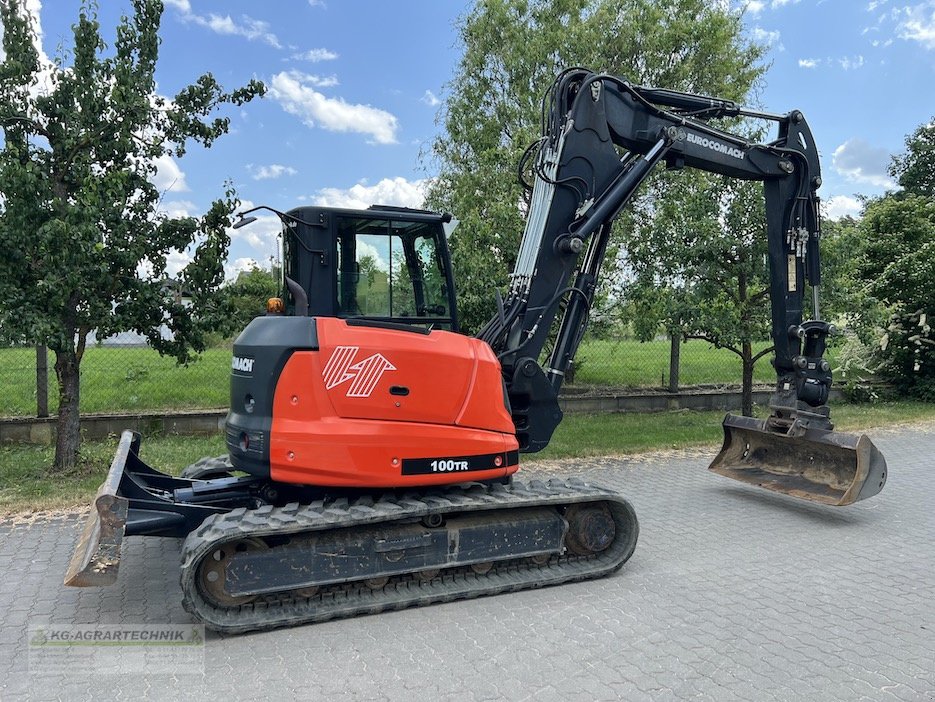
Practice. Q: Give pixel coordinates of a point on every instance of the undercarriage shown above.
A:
(255, 559)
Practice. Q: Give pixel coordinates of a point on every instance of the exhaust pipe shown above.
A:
(821, 466)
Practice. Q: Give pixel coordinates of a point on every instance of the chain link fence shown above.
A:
(116, 378)
(631, 364)
(131, 377)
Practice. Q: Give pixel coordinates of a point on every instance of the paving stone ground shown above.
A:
(733, 594)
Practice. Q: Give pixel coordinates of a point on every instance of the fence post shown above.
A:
(675, 344)
(42, 381)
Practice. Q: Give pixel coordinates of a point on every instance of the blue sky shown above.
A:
(355, 88)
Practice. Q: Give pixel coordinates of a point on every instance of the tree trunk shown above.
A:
(747, 383)
(42, 381)
(675, 346)
(68, 439)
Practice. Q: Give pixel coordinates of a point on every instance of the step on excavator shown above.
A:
(372, 446)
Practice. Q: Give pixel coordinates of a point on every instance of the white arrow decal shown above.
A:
(364, 374)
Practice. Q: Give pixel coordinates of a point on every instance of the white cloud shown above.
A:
(312, 79)
(321, 81)
(246, 26)
(755, 7)
(169, 177)
(851, 63)
(430, 99)
(176, 261)
(34, 8)
(379, 256)
(296, 94)
(389, 191)
(273, 171)
(840, 206)
(315, 55)
(918, 24)
(240, 265)
(770, 38)
(179, 208)
(847, 63)
(861, 162)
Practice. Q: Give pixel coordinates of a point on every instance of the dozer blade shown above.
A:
(97, 555)
(821, 466)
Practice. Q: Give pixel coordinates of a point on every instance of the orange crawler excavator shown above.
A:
(372, 446)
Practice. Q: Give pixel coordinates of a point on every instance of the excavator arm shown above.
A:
(602, 136)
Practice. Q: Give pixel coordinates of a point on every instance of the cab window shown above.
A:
(391, 270)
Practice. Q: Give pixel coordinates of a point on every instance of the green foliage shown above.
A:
(845, 298)
(512, 51)
(854, 370)
(900, 236)
(84, 241)
(246, 298)
(897, 268)
(915, 169)
(906, 353)
(698, 263)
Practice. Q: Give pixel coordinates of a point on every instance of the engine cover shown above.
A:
(378, 405)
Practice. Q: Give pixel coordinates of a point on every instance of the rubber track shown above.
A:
(407, 590)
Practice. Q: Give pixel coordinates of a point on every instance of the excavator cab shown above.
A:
(384, 264)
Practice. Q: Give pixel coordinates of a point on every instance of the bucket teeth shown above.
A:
(820, 466)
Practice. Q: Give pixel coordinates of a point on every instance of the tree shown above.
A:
(898, 268)
(84, 241)
(893, 278)
(512, 52)
(698, 268)
(246, 297)
(915, 169)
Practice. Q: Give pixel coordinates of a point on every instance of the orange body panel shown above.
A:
(376, 407)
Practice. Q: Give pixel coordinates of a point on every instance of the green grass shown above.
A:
(581, 435)
(646, 364)
(25, 484)
(120, 379)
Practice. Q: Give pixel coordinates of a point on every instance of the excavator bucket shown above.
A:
(97, 555)
(821, 466)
